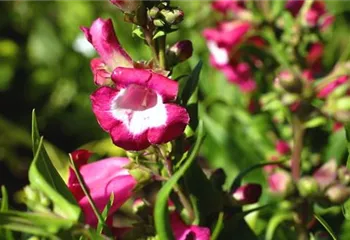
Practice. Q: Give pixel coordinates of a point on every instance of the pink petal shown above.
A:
(324, 92)
(181, 231)
(164, 86)
(279, 182)
(122, 137)
(101, 106)
(102, 36)
(282, 147)
(98, 68)
(177, 119)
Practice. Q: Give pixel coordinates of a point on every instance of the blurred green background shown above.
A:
(44, 64)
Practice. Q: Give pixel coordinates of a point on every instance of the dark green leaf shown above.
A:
(189, 85)
(161, 210)
(44, 177)
(205, 199)
(326, 226)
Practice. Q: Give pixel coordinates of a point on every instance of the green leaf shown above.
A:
(34, 223)
(4, 207)
(326, 226)
(346, 205)
(276, 8)
(315, 122)
(189, 85)
(206, 199)
(104, 213)
(161, 210)
(44, 177)
(218, 226)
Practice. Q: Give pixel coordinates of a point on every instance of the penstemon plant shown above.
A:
(161, 186)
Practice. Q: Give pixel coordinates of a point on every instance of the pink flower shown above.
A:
(324, 92)
(248, 193)
(326, 174)
(102, 36)
(279, 182)
(182, 231)
(138, 113)
(314, 57)
(102, 178)
(127, 5)
(240, 74)
(224, 6)
(317, 15)
(222, 39)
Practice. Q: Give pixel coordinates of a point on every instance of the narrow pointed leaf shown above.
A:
(44, 177)
(161, 211)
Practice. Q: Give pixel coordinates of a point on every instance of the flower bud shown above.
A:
(181, 51)
(80, 157)
(248, 193)
(280, 183)
(142, 176)
(343, 103)
(282, 147)
(326, 174)
(308, 187)
(289, 82)
(127, 6)
(158, 23)
(174, 16)
(338, 193)
(344, 175)
(153, 12)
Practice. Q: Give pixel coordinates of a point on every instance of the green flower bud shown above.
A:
(289, 82)
(174, 16)
(153, 12)
(308, 187)
(158, 23)
(343, 103)
(338, 194)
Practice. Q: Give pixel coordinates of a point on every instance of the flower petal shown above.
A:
(177, 119)
(101, 105)
(98, 68)
(102, 36)
(164, 86)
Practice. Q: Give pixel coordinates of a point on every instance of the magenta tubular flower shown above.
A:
(182, 231)
(102, 36)
(127, 5)
(138, 113)
(248, 193)
(103, 178)
(240, 75)
(222, 39)
(324, 92)
(225, 6)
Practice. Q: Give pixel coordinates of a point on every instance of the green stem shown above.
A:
(161, 52)
(87, 194)
(149, 39)
(298, 135)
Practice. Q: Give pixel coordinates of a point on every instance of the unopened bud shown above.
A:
(80, 157)
(142, 176)
(343, 103)
(248, 193)
(326, 174)
(174, 16)
(289, 82)
(344, 175)
(181, 51)
(280, 183)
(338, 194)
(158, 23)
(308, 187)
(153, 12)
(127, 6)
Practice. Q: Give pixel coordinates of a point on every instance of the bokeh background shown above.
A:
(44, 64)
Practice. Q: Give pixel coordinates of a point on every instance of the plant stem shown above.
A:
(182, 197)
(149, 39)
(298, 134)
(161, 52)
(301, 221)
(87, 194)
